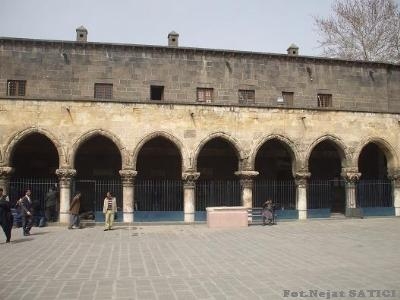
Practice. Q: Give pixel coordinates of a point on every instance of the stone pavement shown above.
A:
(194, 262)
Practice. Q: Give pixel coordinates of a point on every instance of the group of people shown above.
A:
(26, 207)
(109, 210)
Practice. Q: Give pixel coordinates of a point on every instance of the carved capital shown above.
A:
(189, 178)
(65, 176)
(128, 176)
(246, 178)
(301, 178)
(395, 177)
(6, 172)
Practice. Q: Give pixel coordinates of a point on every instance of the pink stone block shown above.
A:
(227, 217)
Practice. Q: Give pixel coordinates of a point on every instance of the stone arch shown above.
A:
(344, 153)
(241, 155)
(387, 149)
(169, 137)
(290, 145)
(86, 136)
(20, 135)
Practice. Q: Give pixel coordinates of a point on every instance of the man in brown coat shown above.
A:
(74, 221)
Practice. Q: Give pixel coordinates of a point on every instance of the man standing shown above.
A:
(109, 209)
(74, 211)
(6, 218)
(51, 201)
(25, 204)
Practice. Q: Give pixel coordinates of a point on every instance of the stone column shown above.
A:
(246, 184)
(301, 186)
(5, 173)
(351, 177)
(189, 185)
(128, 194)
(396, 192)
(65, 176)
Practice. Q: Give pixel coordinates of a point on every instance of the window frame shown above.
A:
(101, 91)
(288, 98)
(203, 92)
(324, 100)
(20, 85)
(243, 96)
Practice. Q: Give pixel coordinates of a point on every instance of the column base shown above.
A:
(397, 211)
(64, 218)
(189, 218)
(127, 217)
(302, 215)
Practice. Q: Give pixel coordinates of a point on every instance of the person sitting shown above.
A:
(268, 213)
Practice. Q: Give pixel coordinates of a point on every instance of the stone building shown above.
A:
(171, 130)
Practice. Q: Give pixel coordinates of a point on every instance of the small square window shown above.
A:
(324, 100)
(205, 95)
(16, 87)
(103, 90)
(288, 98)
(156, 92)
(247, 96)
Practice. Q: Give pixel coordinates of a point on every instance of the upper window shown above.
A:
(156, 92)
(205, 95)
(103, 90)
(247, 96)
(288, 98)
(324, 100)
(16, 87)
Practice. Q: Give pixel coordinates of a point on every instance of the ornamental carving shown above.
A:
(128, 176)
(246, 178)
(395, 176)
(5, 172)
(65, 176)
(301, 178)
(189, 178)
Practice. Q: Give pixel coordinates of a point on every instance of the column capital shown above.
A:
(190, 177)
(301, 178)
(246, 177)
(128, 176)
(351, 175)
(395, 176)
(6, 172)
(65, 175)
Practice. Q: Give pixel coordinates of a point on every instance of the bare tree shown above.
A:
(361, 30)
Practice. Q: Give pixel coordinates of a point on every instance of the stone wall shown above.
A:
(129, 125)
(69, 70)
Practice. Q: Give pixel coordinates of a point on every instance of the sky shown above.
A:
(249, 25)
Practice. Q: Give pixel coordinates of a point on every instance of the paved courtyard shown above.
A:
(342, 258)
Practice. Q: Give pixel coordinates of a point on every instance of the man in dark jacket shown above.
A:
(25, 204)
(51, 201)
(6, 218)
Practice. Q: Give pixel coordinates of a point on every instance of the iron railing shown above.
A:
(325, 193)
(374, 193)
(158, 195)
(38, 186)
(211, 193)
(94, 191)
(281, 192)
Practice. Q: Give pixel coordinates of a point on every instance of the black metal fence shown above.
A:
(38, 186)
(217, 193)
(374, 193)
(94, 191)
(325, 194)
(158, 195)
(281, 192)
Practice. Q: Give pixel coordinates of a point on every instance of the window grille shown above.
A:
(103, 90)
(247, 96)
(16, 87)
(324, 100)
(205, 95)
